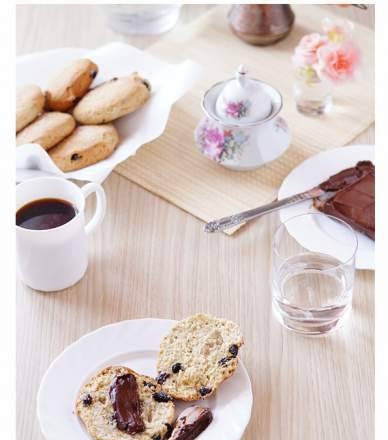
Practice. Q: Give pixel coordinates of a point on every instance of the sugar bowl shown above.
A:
(242, 129)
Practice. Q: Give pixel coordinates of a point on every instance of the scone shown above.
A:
(197, 355)
(119, 404)
(47, 130)
(71, 84)
(29, 105)
(112, 99)
(87, 145)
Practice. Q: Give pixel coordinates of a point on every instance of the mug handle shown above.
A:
(98, 216)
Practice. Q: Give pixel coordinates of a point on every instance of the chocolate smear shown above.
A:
(125, 399)
(354, 197)
(191, 423)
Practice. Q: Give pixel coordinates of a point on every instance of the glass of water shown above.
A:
(312, 276)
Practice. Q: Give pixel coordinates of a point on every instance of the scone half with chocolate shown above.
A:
(197, 355)
(119, 404)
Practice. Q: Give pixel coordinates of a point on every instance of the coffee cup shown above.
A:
(54, 257)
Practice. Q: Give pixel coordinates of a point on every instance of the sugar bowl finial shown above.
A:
(243, 100)
(241, 75)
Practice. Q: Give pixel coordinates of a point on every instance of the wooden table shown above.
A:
(149, 258)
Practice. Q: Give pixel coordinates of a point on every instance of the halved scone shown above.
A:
(197, 355)
(107, 395)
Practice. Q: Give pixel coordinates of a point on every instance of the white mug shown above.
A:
(54, 259)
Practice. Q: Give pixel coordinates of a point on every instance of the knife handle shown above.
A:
(243, 217)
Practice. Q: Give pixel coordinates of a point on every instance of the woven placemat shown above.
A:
(173, 168)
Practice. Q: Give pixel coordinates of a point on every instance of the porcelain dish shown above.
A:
(239, 142)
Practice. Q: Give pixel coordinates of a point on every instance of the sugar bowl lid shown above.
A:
(243, 100)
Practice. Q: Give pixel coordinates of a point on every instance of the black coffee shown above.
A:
(45, 214)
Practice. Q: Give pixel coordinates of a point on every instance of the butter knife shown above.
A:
(245, 216)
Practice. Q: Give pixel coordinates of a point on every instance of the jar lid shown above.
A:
(243, 100)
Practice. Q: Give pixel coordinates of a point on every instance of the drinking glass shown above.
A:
(312, 278)
(142, 19)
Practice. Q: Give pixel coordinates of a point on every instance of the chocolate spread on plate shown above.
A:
(192, 422)
(354, 198)
(125, 399)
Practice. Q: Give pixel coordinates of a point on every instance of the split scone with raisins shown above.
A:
(119, 404)
(197, 355)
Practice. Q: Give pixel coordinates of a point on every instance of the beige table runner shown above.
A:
(173, 168)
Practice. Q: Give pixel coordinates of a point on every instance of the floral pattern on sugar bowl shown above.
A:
(281, 124)
(220, 144)
(242, 149)
(237, 110)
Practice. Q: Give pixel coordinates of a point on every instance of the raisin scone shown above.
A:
(69, 85)
(112, 99)
(87, 145)
(49, 129)
(29, 105)
(119, 404)
(197, 355)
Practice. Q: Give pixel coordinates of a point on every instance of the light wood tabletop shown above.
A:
(151, 259)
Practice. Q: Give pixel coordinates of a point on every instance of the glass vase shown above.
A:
(313, 97)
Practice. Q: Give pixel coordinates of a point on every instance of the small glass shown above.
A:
(312, 278)
(313, 97)
(142, 19)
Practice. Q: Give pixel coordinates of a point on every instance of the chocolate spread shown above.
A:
(354, 197)
(125, 399)
(191, 423)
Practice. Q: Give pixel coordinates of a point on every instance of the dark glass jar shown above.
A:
(261, 24)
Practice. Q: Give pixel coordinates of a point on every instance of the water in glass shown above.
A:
(312, 292)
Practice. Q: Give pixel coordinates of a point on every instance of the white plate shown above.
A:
(134, 344)
(310, 173)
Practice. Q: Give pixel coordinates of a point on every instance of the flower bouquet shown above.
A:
(321, 60)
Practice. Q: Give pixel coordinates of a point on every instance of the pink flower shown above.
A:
(306, 52)
(213, 143)
(214, 135)
(338, 31)
(338, 62)
(234, 109)
(213, 151)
